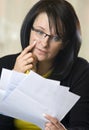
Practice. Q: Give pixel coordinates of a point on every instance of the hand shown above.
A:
(26, 60)
(53, 123)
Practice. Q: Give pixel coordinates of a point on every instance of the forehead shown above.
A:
(41, 19)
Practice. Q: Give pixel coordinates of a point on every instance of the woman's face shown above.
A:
(47, 42)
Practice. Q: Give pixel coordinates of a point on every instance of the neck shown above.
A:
(43, 68)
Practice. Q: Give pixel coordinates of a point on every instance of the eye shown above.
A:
(56, 38)
(40, 32)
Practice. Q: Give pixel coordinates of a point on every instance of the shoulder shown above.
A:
(9, 57)
(80, 67)
(81, 63)
(79, 76)
(8, 61)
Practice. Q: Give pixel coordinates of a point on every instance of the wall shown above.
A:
(12, 13)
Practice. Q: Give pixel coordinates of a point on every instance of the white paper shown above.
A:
(29, 96)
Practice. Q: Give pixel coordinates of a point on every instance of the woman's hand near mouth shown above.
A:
(26, 60)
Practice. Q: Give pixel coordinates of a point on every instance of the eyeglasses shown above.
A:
(41, 35)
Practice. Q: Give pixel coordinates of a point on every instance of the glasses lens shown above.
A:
(41, 35)
(56, 38)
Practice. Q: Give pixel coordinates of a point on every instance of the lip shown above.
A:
(41, 50)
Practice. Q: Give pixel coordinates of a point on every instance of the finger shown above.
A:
(35, 63)
(32, 60)
(52, 119)
(28, 67)
(27, 56)
(47, 128)
(28, 49)
(29, 61)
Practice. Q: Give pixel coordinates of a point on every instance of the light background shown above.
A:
(12, 13)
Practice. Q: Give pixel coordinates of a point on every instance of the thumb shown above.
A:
(35, 63)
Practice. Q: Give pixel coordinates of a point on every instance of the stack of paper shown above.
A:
(28, 97)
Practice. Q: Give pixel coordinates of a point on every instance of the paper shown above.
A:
(27, 97)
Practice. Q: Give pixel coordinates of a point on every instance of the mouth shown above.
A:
(42, 51)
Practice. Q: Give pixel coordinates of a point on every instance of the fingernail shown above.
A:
(34, 42)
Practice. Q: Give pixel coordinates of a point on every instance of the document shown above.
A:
(28, 97)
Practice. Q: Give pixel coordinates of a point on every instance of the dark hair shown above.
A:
(62, 15)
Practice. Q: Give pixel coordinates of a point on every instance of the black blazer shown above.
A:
(78, 81)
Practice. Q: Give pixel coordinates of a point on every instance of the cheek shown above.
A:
(55, 50)
(32, 38)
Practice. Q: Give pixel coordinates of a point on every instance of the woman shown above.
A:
(51, 40)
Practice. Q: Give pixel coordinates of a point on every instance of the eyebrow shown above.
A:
(43, 29)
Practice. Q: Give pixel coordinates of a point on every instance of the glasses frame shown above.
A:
(55, 38)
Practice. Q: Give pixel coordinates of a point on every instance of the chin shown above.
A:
(41, 59)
